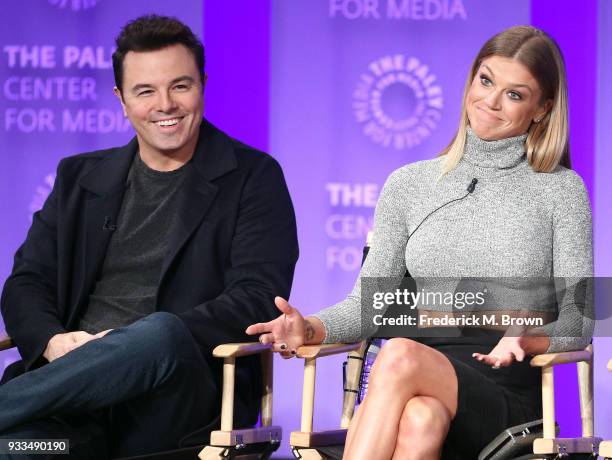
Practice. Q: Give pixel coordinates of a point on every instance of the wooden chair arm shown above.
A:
(310, 353)
(319, 351)
(547, 361)
(551, 359)
(229, 352)
(235, 350)
(227, 436)
(5, 342)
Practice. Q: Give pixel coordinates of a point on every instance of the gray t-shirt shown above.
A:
(127, 288)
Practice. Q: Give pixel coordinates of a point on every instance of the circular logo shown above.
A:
(398, 102)
(74, 5)
(41, 194)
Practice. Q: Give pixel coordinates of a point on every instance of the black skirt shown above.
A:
(489, 400)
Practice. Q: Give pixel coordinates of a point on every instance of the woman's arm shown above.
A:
(534, 345)
(572, 261)
(572, 267)
(342, 322)
(314, 331)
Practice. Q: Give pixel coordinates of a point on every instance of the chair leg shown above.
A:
(310, 454)
(220, 453)
(212, 453)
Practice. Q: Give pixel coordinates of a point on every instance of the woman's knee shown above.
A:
(398, 361)
(424, 418)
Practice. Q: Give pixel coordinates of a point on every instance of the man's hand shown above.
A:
(286, 333)
(60, 344)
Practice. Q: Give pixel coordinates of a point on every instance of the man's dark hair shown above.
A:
(151, 33)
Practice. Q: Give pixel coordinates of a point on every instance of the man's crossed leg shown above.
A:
(144, 386)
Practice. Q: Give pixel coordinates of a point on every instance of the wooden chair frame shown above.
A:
(306, 441)
(549, 444)
(228, 442)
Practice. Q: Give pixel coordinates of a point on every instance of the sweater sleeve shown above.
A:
(572, 268)
(343, 321)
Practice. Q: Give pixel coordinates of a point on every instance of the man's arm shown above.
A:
(29, 298)
(262, 260)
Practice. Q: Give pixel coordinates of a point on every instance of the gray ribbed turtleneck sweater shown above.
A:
(517, 223)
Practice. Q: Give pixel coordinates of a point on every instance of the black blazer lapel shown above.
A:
(105, 186)
(213, 158)
(194, 200)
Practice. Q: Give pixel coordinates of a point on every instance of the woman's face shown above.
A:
(504, 99)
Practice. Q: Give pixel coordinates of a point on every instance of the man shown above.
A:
(142, 260)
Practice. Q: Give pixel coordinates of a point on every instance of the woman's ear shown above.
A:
(544, 109)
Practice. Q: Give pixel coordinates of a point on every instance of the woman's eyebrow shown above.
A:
(516, 85)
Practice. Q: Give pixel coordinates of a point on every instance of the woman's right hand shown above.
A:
(286, 333)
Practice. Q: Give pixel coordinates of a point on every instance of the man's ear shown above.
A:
(117, 92)
(204, 80)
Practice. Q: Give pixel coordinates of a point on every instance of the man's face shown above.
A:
(163, 99)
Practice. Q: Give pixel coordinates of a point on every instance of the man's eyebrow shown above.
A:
(140, 86)
(183, 78)
(516, 85)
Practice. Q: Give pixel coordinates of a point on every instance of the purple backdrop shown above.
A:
(576, 32)
(603, 207)
(294, 78)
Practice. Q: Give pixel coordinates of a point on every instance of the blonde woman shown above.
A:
(529, 216)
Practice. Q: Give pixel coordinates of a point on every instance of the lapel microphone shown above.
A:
(470, 189)
(108, 225)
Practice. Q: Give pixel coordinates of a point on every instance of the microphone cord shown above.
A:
(470, 189)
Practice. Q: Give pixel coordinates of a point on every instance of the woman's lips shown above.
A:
(488, 114)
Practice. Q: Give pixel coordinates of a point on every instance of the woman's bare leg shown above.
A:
(403, 369)
(422, 430)
(353, 424)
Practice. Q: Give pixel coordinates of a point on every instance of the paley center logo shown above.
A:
(398, 102)
(41, 194)
(74, 5)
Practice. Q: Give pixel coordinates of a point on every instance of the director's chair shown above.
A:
(251, 443)
(534, 440)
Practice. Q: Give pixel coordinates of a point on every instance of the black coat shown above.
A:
(232, 248)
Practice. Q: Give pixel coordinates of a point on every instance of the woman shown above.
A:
(529, 216)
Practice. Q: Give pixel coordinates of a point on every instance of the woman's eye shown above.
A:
(514, 95)
(485, 81)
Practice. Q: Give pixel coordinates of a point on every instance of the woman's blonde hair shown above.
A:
(547, 142)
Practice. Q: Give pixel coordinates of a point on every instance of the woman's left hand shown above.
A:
(505, 352)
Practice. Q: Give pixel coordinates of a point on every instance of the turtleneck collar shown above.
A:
(500, 154)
